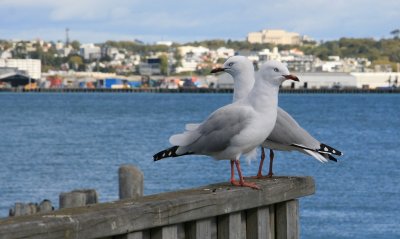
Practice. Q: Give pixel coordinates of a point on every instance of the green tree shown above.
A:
(395, 33)
(164, 64)
(76, 62)
(178, 59)
(75, 44)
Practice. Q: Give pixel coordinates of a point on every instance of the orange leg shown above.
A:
(233, 181)
(241, 182)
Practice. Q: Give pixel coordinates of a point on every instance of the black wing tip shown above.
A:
(332, 158)
(156, 157)
(166, 153)
(328, 149)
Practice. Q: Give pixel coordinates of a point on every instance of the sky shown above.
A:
(96, 21)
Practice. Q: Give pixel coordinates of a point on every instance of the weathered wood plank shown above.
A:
(232, 226)
(287, 220)
(121, 217)
(258, 223)
(201, 229)
(135, 235)
(169, 232)
(272, 221)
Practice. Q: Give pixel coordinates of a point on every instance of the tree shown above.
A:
(76, 62)
(178, 58)
(164, 64)
(76, 44)
(395, 33)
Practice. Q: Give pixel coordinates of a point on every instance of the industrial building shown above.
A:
(31, 67)
(278, 37)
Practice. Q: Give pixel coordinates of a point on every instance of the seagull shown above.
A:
(234, 130)
(287, 134)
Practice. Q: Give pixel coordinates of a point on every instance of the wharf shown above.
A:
(202, 90)
(213, 211)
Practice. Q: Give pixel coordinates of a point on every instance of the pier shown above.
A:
(202, 90)
(213, 211)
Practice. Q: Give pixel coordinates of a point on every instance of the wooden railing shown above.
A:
(213, 211)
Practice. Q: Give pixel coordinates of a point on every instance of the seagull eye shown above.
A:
(230, 64)
(276, 69)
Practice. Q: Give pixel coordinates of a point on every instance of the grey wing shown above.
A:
(218, 130)
(287, 131)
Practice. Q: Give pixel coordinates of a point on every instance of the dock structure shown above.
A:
(202, 90)
(212, 211)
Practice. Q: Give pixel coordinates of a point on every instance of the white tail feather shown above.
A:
(184, 139)
(316, 155)
(191, 127)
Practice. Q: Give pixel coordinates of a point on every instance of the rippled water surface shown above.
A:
(52, 143)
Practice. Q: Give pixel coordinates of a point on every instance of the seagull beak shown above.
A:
(218, 69)
(291, 77)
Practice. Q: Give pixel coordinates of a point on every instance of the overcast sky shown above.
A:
(185, 20)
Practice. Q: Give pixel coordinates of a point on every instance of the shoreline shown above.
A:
(199, 90)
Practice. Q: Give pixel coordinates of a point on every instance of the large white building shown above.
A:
(279, 37)
(372, 80)
(322, 80)
(328, 80)
(32, 67)
(90, 51)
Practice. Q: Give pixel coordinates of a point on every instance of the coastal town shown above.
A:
(38, 64)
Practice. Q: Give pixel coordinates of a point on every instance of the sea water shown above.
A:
(57, 142)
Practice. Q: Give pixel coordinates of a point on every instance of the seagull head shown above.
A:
(236, 65)
(275, 72)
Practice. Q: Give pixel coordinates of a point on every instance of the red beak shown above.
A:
(291, 77)
(219, 69)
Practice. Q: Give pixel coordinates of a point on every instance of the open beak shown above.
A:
(218, 69)
(291, 77)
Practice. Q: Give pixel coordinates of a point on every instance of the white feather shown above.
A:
(251, 156)
(316, 155)
(184, 139)
(191, 127)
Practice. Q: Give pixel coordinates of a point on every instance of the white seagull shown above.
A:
(287, 134)
(234, 130)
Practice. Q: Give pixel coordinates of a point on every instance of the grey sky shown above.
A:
(182, 21)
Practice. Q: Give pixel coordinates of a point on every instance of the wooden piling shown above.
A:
(78, 198)
(21, 209)
(72, 199)
(45, 206)
(130, 182)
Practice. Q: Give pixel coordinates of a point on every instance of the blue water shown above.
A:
(52, 143)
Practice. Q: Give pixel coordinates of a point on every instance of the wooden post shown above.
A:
(258, 224)
(287, 220)
(135, 235)
(72, 199)
(78, 198)
(168, 232)
(272, 220)
(92, 196)
(232, 226)
(45, 206)
(21, 209)
(202, 229)
(130, 182)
